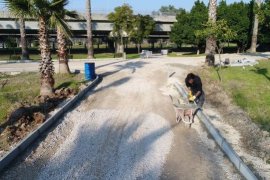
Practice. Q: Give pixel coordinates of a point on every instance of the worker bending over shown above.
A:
(196, 94)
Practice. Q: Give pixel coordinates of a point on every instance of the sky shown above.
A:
(141, 6)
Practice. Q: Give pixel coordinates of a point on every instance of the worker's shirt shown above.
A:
(196, 86)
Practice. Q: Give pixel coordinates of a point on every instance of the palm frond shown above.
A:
(19, 8)
(41, 7)
(58, 21)
(58, 4)
(71, 14)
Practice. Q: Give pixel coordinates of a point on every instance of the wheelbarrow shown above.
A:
(185, 112)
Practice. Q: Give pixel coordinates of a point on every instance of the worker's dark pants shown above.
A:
(200, 100)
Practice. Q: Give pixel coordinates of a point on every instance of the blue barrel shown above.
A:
(89, 71)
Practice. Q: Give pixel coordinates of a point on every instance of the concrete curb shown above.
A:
(221, 141)
(28, 140)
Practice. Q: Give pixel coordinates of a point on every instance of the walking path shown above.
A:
(125, 129)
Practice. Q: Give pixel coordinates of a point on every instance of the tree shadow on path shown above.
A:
(109, 152)
(133, 66)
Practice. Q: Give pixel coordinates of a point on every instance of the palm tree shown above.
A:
(45, 11)
(63, 33)
(62, 52)
(253, 46)
(89, 30)
(212, 16)
(25, 54)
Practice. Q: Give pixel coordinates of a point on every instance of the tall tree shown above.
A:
(122, 19)
(265, 25)
(183, 31)
(198, 17)
(142, 28)
(254, 39)
(45, 11)
(212, 17)
(62, 36)
(237, 16)
(89, 30)
(25, 54)
(220, 31)
(266, 13)
(62, 52)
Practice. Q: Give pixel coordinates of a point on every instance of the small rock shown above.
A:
(39, 117)
(23, 126)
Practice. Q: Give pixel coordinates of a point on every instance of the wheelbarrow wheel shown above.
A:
(187, 120)
(178, 119)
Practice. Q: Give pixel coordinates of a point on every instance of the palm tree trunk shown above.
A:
(62, 52)
(46, 65)
(89, 30)
(253, 46)
(25, 54)
(212, 16)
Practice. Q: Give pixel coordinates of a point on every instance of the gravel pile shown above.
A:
(103, 145)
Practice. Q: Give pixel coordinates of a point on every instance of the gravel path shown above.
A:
(100, 148)
(79, 64)
(126, 129)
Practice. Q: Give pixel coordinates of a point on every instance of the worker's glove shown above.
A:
(190, 94)
(192, 98)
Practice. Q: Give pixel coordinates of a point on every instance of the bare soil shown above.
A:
(27, 117)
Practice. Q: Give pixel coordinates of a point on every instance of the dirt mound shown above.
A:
(27, 117)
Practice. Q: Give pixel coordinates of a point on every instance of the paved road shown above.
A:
(125, 129)
(79, 64)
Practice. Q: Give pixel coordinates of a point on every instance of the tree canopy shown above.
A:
(142, 28)
(238, 17)
(168, 10)
(183, 31)
(264, 36)
(122, 19)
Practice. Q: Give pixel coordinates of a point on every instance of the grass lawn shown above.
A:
(175, 54)
(25, 87)
(250, 89)
(36, 57)
(133, 56)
